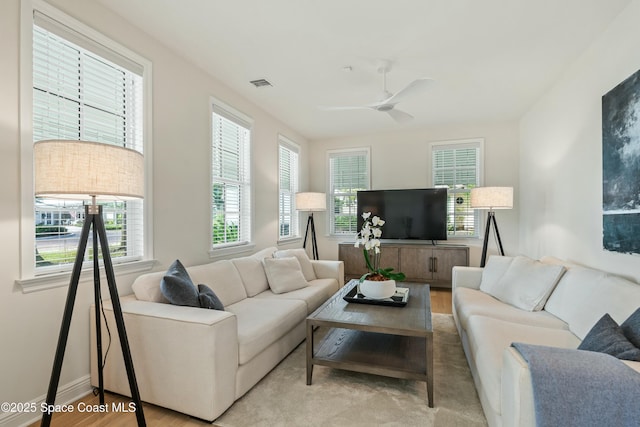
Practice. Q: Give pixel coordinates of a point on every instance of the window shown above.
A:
(288, 154)
(456, 165)
(348, 173)
(82, 87)
(231, 178)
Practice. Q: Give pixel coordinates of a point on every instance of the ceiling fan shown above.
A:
(388, 101)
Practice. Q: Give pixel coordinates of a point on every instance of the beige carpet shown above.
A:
(342, 398)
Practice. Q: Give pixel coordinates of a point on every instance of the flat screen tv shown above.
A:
(417, 214)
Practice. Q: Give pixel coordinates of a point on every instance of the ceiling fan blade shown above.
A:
(413, 87)
(400, 116)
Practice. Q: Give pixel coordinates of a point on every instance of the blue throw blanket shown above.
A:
(581, 388)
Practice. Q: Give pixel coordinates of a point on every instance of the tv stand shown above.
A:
(424, 262)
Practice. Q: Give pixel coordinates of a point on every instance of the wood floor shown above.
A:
(157, 416)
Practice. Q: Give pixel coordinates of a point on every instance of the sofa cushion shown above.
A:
(177, 287)
(631, 328)
(526, 283)
(607, 337)
(264, 253)
(314, 295)
(208, 298)
(489, 337)
(492, 272)
(284, 274)
(146, 287)
(468, 302)
(252, 273)
(303, 259)
(223, 278)
(584, 295)
(262, 321)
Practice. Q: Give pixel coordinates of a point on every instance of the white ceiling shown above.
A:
(490, 59)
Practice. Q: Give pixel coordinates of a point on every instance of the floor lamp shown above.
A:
(311, 202)
(491, 198)
(90, 170)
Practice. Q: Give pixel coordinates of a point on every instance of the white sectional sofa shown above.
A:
(199, 361)
(488, 325)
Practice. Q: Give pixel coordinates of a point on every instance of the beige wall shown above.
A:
(30, 322)
(402, 160)
(561, 154)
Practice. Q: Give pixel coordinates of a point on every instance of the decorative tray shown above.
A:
(399, 299)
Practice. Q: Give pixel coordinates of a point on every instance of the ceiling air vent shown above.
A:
(260, 83)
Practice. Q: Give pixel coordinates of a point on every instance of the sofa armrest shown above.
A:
(466, 277)
(329, 269)
(517, 392)
(177, 351)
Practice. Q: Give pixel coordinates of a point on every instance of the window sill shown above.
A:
(343, 237)
(289, 241)
(225, 252)
(57, 280)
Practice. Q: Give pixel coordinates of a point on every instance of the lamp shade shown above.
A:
(492, 198)
(80, 169)
(311, 202)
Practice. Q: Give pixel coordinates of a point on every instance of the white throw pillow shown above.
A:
(527, 283)
(303, 259)
(492, 272)
(284, 274)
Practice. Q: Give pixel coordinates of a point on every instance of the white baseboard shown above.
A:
(67, 393)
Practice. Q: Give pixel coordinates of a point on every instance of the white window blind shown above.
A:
(457, 167)
(81, 93)
(348, 174)
(231, 179)
(288, 187)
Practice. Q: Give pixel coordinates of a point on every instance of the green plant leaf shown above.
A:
(368, 260)
(364, 277)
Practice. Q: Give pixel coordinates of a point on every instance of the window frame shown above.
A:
(30, 279)
(477, 143)
(294, 226)
(217, 106)
(331, 154)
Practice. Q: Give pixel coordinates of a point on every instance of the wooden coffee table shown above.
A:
(391, 341)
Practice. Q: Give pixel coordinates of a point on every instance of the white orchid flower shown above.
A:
(369, 236)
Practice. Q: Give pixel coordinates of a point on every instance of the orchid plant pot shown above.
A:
(377, 289)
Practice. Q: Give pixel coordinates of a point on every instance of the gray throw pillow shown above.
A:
(208, 298)
(607, 337)
(177, 287)
(631, 328)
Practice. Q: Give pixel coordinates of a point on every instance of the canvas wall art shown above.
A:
(621, 167)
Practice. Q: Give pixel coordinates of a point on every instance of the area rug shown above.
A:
(344, 399)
